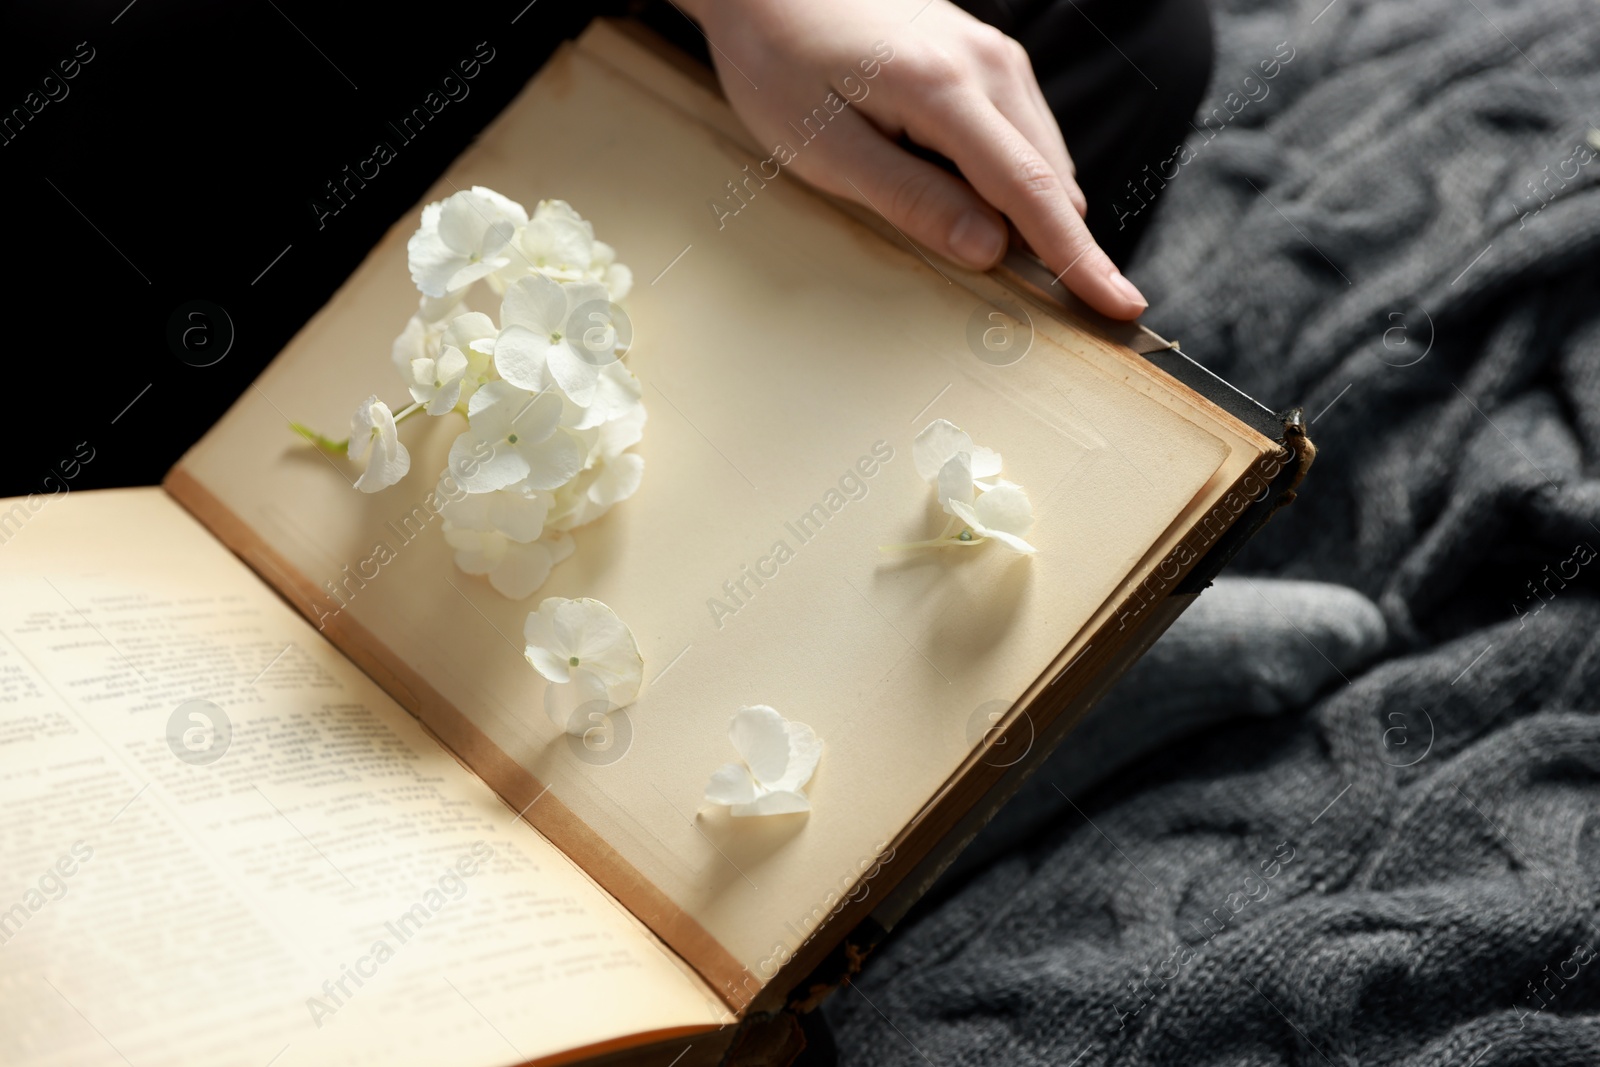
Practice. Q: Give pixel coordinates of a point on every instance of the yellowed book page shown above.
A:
(789, 356)
(222, 844)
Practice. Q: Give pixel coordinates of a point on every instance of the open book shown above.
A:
(277, 783)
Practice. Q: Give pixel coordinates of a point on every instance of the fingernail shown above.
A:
(1128, 289)
(977, 239)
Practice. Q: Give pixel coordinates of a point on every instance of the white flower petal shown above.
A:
(385, 469)
(552, 242)
(492, 409)
(553, 462)
(496, 469)
(618, 281)
(520, 355)
(543, 651)
(731, 784)
(507, 207)
(451, 364)
(1005, 507)
(985, 462)
(586, 626)
(433, 263)
(462, 223)
(778, 802)
(519, 511)
(616, 395)
(805, 751)
(468, 272)
(533, 418)
(536, 303)
(576, 376)
(761, 737)
(955, 480)
(467, 328)
(561, 210)
(370, 421)
(1011, 541)
(934, 446)
(940, 440)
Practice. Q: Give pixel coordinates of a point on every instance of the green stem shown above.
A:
(327, 444)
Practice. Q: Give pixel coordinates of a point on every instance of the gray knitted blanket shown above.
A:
(1378, 842)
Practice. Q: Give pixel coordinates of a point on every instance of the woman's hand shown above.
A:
(927, 70)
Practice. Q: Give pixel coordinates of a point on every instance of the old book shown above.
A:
(395, 856)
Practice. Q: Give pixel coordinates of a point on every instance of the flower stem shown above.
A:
(937, 542)
(944, 540)
(327, 444)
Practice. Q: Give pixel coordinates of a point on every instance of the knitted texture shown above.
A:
(1401, 865)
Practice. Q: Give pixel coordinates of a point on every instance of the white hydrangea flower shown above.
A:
(372, 429)
(515, 569)
(462, 239)
(445, 378)
(570, 639)
(436, 383)
(538, 344)
(996, 510)
(524, 438)
(419, 340)
(779, 757)
(558, 242)
(551, 409)
(1001, 513)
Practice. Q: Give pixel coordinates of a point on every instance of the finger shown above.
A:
(1015, 92)
(1028, 113)
(1016, 95)
(930, 206)
(1048, 116)
(1013, 176)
